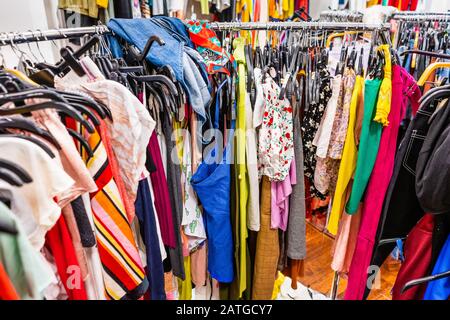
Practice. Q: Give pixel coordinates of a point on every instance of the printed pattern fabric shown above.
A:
(208, 45)
(327, 169)
(276, 137)
(312, 118)
(123, 274)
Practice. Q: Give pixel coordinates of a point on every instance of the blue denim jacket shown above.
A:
(138, 31)
(173, 53)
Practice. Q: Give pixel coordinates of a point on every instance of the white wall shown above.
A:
(23, 15)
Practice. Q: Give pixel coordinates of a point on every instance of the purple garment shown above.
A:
(280, 192)
(161, 190)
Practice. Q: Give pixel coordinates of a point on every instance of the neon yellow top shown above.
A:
(385, 94)
(348, 161)
(239, 55)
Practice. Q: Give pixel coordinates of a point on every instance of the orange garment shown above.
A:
(429, 84)
(7, 290)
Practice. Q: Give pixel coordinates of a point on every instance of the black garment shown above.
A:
(310, 124)
(84, 226)
(433, 165)
(149, 163)
(401, 208)
(176, 198)
(123, 9)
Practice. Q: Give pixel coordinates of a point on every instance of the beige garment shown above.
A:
(70, 158)
(34, 203)
(198, 266)
(253, 215)
(132, 125)
(267, 249)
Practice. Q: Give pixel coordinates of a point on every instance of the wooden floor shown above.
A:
(319, 275)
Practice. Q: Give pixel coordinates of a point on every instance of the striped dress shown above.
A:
(123, 274)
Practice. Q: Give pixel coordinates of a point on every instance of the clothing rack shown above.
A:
(7, 38)
(315, 25)
(341, 15)
(422, 16)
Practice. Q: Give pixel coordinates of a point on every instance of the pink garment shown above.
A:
(70, 157)
(403, 87)
(280, 192)
(115, 169)
(345, 243)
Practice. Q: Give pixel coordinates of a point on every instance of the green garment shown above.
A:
(243, 190)
(26, 268)
(368, 145)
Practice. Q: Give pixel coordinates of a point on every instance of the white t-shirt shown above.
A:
(34, 203)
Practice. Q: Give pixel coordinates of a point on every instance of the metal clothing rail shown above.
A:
(315, 25)
(341, 15)
(7, 38)
(421, 16)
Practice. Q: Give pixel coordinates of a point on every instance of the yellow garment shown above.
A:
(349, 157)
(385, 94)
(204, 5)
(239, 55)
(85, 7)
(245, 9)
(102, 3)
(277, 286)
(291, 9)
(371, 3)
(185, 287)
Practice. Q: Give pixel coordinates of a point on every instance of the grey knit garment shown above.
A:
(296, 229)
(176, 199)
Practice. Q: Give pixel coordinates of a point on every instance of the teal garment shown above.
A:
(25, 266)
(368, 145)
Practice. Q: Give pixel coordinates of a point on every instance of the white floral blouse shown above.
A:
(275, 143)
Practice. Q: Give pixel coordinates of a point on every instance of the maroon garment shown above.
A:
(161, 193)
(417, 255)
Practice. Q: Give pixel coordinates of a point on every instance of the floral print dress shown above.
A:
(311, 122)
(276, 139)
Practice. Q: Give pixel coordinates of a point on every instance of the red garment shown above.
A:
(406, 5)
(161, 190)
(418, 255)
(7, 290)
(59, 243)
(302, 4)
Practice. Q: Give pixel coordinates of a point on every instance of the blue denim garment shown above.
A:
(138, 31)
(176, 28)
(198, 59)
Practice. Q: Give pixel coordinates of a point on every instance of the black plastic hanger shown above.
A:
(60, 106)
(8, 228)
(10, 178)
(16, 169)
(63, 65)
(87, 101)
(141, 57)
(22, 123)
(82, 141)
(37, 142)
